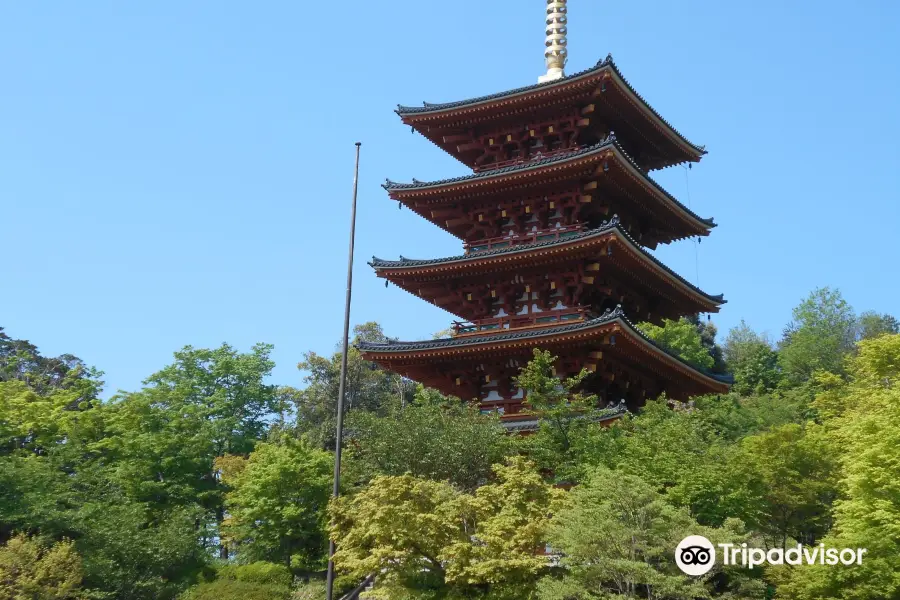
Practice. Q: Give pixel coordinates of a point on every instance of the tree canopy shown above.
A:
(684, 339)
(433, 437)
(214, 481)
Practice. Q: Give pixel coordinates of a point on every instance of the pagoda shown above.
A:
(555, 222)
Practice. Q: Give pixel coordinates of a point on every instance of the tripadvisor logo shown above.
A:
(696, 555)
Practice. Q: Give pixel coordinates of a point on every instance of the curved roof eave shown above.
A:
(613, 224)
(430, 108)
(609, 316)
(609, 142)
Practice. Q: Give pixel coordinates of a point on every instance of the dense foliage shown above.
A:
(276, 503)
(433, 437)
(682, 337)
(615, 537)
(212, 482)
(428, 536)
(29, 569)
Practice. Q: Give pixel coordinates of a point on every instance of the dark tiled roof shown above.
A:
(613, 223)
(608, 316)
(530, 425)
(606, 62)
(609, 142)
(598, 416)
(523, 166)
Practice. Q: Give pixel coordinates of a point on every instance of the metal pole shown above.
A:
(340, 399)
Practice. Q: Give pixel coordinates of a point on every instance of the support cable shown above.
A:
(696, 240)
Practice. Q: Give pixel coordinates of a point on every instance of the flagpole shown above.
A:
(340, 399)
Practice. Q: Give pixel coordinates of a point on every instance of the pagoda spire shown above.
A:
(555, 54)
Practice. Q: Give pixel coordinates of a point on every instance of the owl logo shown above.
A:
(695, 555)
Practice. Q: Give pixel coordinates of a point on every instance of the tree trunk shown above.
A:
(223, 547)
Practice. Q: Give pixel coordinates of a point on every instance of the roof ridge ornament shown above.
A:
(611, 222)
(555, 54)
(611, 313)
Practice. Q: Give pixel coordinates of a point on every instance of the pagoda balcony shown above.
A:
(521, 160)
(515, 416)
(538, 319)
(518, 239)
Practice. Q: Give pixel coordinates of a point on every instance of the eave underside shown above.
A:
(602, 178)
(605, 347)
(604, 265)
(653, 141)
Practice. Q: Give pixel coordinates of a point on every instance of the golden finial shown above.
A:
(555, 54)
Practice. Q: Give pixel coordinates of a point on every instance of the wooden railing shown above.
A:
(523, 238)
(518, 160)
(549, 317)
(507, 409)
(517, 410)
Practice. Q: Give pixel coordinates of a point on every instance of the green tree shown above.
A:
(873, 325)
(39, 423)
(752, 360)
(231, 589)
(131, 481)
(130, 550)
(731, 417)
(427, 539)
(226, 388)
(683, 339)
(312, 590)
(277, 502)
(564, 412)
(165, 438)
(435, 437)
(790, 479)
(615, 538)
(685, 451)
(708, 332)
(161, 450)
(397, 526)
(262, 572)
(369, 388)
(821, 334)
(876, 367)
(35, 496)
(679, 452)
(507, 523)
(59, 481)
(32, 571)
(663, 446)
(867, 442)
(20, 360)
(133, 552)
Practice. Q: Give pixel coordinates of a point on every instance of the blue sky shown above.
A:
(179, 173)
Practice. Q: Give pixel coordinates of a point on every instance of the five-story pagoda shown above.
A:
(554, 219)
